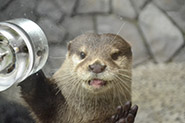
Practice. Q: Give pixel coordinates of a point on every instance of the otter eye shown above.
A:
(115, 56)
(82, 55)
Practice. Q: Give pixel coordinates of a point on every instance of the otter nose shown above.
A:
(97, 68)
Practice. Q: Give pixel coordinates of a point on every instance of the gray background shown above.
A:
(155, 28)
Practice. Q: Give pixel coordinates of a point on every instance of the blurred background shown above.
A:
(155, 29)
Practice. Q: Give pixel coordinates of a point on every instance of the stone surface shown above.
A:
(56, 57)
(138, 4)
(178, 17)
(66, 6)
(47, 8)
(113, 24)
(55, 33)
(78, 25)
(4, 3)
(169, 5)
(159, 91)
(90, 6)
(180, 57)
(162, 36)
(175, 9)
(19, 9)
(124, 8)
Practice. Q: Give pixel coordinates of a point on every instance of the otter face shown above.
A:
(99, 61)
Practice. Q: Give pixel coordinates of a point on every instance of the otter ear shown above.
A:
(69, 45)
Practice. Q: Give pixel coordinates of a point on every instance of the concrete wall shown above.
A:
(155, 28)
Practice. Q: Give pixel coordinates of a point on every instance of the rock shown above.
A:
(78, 25)
(93, 6)
(180, 57)
(56, 57)
(175, 9)
(19, 9)
(4, 3)
(163, 37)
(162, 103)
(138, 4)
(169, 5)
(178, 17)
(124, 8)
(55, 33)
(126, 29)
(66, 6)
(47, 8)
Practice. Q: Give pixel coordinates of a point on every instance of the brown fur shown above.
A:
(85, 104)
(68, 98)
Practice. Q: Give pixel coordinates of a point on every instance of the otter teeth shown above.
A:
(97, 83)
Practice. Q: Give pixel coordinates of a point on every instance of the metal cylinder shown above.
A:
(23, 50)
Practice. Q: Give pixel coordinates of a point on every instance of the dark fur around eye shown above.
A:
(82, 55)
(116, 55)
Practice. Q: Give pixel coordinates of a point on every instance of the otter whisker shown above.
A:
(133, 91)
(114, 92)
(123, 84)
(122, 25)
(125, 77)
(123, 70)
(120, 90)
(118, 93)
(124, 89)
(118, 87)
(81, 93)
(60, 80)
(63, 77)
(74, 83)
(124, 74)
(77, 87)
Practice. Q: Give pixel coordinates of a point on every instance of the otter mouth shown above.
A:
(97, 83)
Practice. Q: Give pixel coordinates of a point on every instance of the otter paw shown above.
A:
(125, 114)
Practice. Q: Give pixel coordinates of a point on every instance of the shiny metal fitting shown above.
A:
(23, 50)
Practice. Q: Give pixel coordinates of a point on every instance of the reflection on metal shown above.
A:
(23, 51)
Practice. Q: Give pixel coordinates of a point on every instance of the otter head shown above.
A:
(96, 75)
(98, 63)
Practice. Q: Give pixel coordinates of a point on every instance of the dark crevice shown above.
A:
(6, 5)
(110, 7)
(145, 4)
(145, 42)
(176, 53)
(62, 19)
(134, 8)
(74, 11)
(171, 19)
(176, 25)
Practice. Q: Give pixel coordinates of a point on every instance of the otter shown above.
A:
(93, 81)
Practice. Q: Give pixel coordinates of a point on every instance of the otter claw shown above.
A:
(125, 114)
